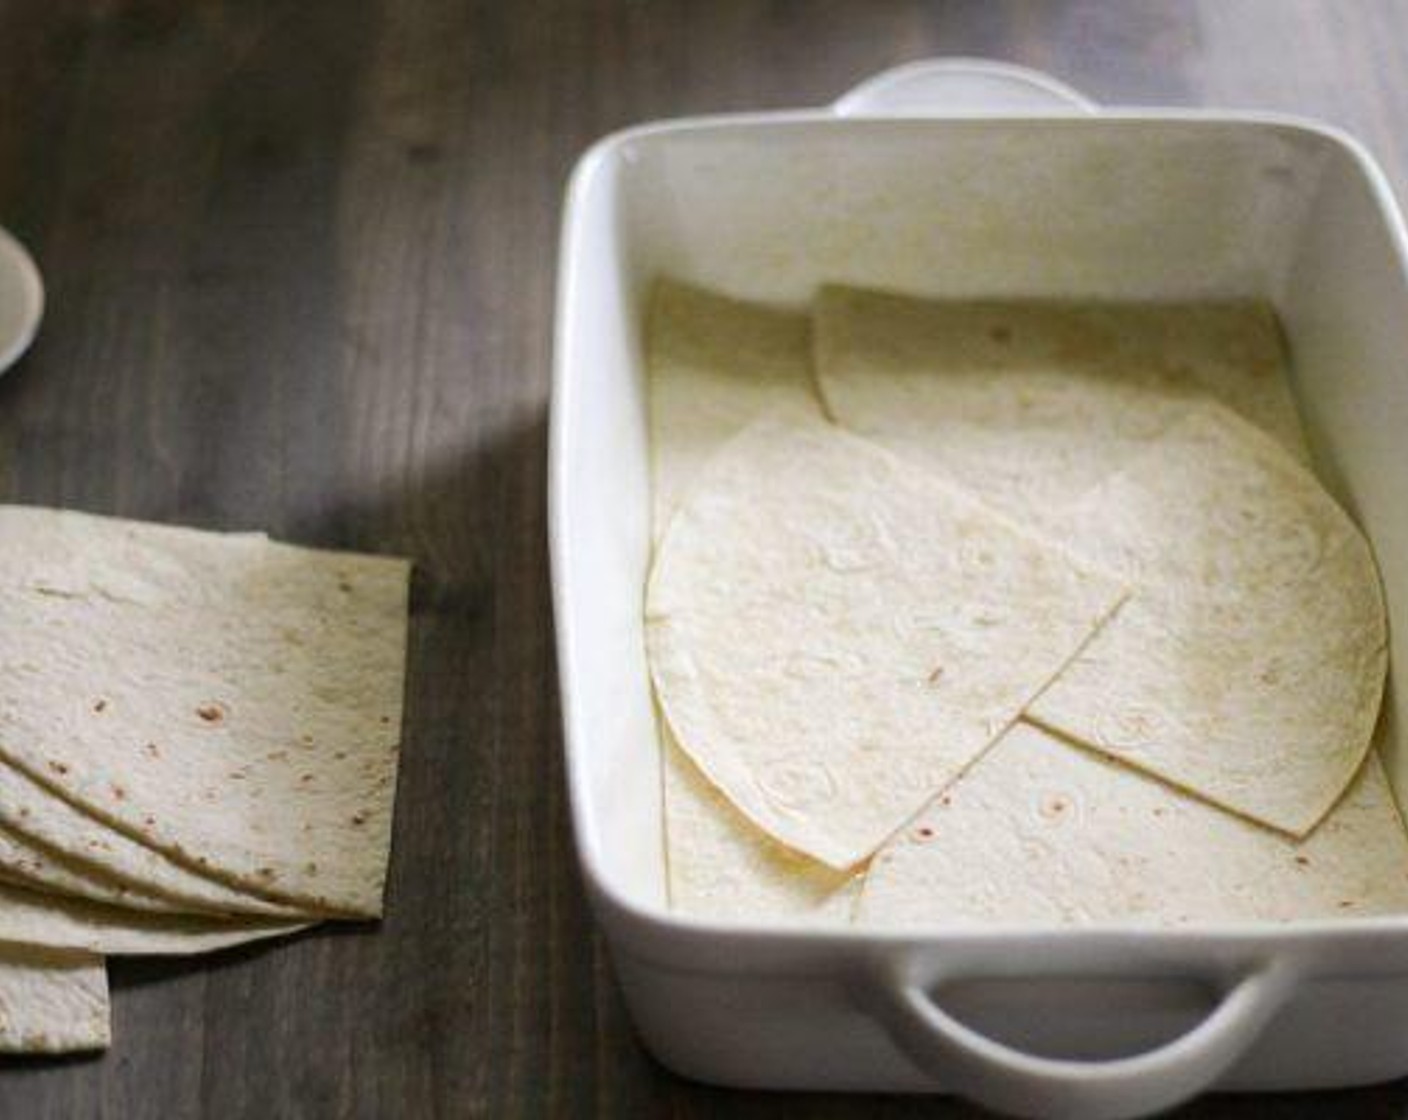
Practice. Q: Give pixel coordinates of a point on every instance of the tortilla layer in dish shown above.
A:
(1041, 832)
(1032, 403)
(724, 866)
(714, 366)
(233, 702)
(834, 635)
(1250, 665)
(52, 1002)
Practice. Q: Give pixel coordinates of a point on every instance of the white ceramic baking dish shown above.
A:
(960, 178)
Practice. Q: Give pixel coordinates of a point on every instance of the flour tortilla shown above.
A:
(234, 703)
(715, 365)
(27, 865)
(834, 636)
(120, 869)
(724, 866)
(30, 918)
(1032, 403)
(1250, 666)
(52, 1002)
(1042, 833)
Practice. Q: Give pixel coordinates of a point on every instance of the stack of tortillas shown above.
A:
(199, 735)
(1032, 613)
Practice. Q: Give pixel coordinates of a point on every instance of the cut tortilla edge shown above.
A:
(66, 832)
(766, 881)
(839, 857)
(927, 846)
(1317, 773)
(1298, 832)
(726, 770)
(298, 908)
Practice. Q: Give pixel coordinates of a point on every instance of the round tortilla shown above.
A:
(1249, 667)
(716, 365)
(834, 635)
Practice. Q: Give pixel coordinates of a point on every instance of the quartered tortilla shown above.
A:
(1040, 832)
(715, 365)
(1032, 403)
(33, 814)
(1250, 666)
(724, 866)
(27, 917)
(834, 635)
(233, 702)
(52, 1002)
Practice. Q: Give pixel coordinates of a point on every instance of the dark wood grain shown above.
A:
(300, 257)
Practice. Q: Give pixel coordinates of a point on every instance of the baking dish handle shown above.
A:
(1004, 1078)
(958, 86)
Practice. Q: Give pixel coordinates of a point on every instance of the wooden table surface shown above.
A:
(300, 260)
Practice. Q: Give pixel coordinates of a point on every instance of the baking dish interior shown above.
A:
(1142, 207)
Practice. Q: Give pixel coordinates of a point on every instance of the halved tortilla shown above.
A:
(834, 635)
(52, 1002)
(1040, 832)
(30, 918)
(1032, 403)
(1249, 668)
(724, 866)
(715, 365)
(235, 703)
(32, 814)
